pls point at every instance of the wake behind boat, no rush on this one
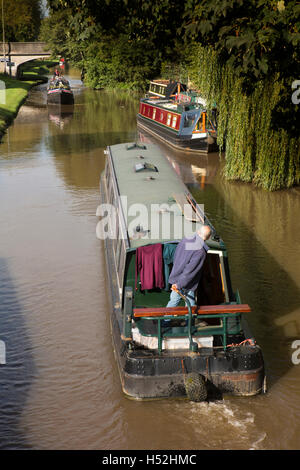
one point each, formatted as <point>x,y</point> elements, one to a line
<point>59,91</point>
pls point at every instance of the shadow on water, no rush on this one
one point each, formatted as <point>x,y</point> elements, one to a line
<point>62,144</point>
<point>261,280</point>
<point>18,372</point>
<point>80,166</point>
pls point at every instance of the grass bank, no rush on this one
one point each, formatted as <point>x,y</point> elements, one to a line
<point>14,92</point>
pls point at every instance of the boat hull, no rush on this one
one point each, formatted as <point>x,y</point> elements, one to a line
<point>60,96</point>
<point>189,144</point>
<point>239,372</point>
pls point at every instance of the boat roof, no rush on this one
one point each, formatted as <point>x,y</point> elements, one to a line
<point>152,197</point>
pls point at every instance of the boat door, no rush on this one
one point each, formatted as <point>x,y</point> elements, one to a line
<point>189,121</point>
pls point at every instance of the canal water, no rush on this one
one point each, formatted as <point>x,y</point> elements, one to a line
<point>60,387</point>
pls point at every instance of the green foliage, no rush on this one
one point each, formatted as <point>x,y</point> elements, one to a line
<point>55,31</point>
<point>22,19</point>
<point>254,150</point>
<point>116,43</point>
<point>242,54</point>
<point>119,64</point>
<point>255,37</point>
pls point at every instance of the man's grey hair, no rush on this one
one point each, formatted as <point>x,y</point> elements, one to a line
<point>204,232</point>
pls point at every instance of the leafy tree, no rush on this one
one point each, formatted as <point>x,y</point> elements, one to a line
<point>114,41</point>
<point>242,54</point>
<point>255,37</point>
<point>22,19</point>
<point>121,63</point>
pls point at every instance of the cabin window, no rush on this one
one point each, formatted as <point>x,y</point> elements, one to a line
<point>174,122</point>
<point>109,190</point>
<point>161,116</point>
<point>117,254</point>
<point>169,119</point>
<point>189,120</point>
<point>120,260</point>
<point>107,172</point>
<point>154,113</point>
<point>116,239</point>
<point>121,264</point>
<point>111,196</point>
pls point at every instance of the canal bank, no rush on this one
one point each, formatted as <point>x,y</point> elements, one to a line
<point>13,92</point>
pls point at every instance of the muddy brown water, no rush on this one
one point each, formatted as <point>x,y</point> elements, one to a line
<point>60,387</point>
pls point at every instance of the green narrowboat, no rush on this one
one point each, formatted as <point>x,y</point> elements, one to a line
<point>198,352</point>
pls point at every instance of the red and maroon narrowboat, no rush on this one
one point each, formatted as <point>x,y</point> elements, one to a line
<point>181,122</point>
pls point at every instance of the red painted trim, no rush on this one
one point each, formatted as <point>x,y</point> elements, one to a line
<point>162,116</point>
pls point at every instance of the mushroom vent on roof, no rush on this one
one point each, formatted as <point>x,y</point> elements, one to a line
<point>145,167</point>
<point>136,146</point>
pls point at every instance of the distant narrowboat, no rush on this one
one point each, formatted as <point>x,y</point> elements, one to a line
<point>180,121</point>
<point>196,352</point>
<point>59,92</point>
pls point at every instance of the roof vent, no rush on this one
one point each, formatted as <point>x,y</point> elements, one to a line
<point>135,146</point>
<point>145,167</point>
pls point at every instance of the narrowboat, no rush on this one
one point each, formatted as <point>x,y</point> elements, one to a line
<point>59,92</point>
<point>181,122</point>
<point>199,352</point>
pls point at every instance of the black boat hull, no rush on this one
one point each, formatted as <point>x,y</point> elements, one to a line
<point>237,372</point>
<point>200,145</point>
<point>60,97</point>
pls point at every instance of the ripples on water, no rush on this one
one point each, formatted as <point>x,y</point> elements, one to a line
<point>60,387</point>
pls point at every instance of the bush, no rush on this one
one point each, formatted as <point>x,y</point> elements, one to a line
<point>121,64</point>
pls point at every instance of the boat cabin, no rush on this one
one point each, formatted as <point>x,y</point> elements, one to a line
<point>165,88</point>
<point>59,82</point>
<point>152,212</point>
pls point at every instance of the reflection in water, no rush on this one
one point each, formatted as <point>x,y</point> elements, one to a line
<point>60,114</point>
<point>60,386</point>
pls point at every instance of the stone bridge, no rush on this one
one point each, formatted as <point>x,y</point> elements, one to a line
<point>19,52</point>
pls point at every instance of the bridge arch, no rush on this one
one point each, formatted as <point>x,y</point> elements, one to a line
<point>20,52</point>
<point>16,69</point>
